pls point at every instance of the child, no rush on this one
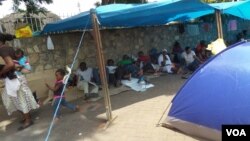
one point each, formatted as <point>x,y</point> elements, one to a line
<point>111,69</point>
<point>22,63</point>
<point>58,89</point>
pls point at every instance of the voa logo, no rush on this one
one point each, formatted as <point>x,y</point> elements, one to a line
<point>236,132</point>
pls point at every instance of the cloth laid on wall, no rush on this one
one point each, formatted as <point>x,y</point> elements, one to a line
<point>50,44</point>
<point>232,25</point>
<point>206,27</point>
<point>193,29</point>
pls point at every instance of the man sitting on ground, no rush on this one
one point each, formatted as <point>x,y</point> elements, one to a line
<point>191,61</point>
<point>84,81</point>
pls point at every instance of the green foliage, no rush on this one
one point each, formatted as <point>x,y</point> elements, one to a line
<point>34,22</point>
<point>32,6</point>
<point>97,4</point>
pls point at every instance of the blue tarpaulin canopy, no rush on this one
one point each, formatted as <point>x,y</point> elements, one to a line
<point>239,9</point>
<point>76,22</point>
<point>132,15</point>
<point>156,13</point>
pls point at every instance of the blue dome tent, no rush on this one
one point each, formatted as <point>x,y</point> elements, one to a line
<point>218,93</point>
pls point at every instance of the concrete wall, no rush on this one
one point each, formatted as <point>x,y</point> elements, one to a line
<point>116,42</point>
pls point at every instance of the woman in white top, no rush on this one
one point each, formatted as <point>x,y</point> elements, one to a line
<point>165,63</point>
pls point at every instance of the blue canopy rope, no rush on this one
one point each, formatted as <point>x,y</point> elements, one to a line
<point>65,82</point>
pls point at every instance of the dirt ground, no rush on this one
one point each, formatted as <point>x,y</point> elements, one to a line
<point>137,114</point>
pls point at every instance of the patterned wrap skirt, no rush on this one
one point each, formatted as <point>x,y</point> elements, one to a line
<point>24,101</point>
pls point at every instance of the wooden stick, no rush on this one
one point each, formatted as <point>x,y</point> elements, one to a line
<point>101,64</point>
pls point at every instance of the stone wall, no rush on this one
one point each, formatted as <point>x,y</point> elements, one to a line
<point>116,42</point>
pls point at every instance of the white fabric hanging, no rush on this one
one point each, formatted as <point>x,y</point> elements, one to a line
<point>50,44</point>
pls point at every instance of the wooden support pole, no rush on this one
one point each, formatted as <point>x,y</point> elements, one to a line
<point>219,24</point>
<point>101,65</point>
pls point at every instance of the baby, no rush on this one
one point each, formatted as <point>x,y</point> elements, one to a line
<point>22,63</point>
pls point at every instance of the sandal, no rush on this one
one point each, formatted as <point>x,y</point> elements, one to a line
<point>25,126</point>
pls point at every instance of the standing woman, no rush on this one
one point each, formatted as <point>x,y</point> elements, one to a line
<point>23,101</point>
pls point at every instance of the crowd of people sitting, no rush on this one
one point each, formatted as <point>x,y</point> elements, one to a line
<point>178,61</point>
<point>17,96</point>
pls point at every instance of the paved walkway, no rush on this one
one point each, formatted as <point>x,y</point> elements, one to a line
<point>137,116</point>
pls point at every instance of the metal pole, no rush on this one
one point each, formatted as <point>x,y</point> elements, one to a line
<point>219,24</point>
<point>101,64</point>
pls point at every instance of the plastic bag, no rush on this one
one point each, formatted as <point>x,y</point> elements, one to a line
<point>50,44</point>
<point>23,32</point>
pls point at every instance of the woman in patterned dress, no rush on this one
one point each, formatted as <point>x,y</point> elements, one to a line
<point>23,100</point>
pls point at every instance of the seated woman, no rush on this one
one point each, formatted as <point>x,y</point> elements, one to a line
<point>145,63</point>
<point>203,55</point>
<point>126,60</point>
<point>176,51</point>
<point>201,51</point>
<point>121,71</point>
<point>165,63</point>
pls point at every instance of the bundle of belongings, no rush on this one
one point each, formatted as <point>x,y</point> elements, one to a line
<point>12,85</point>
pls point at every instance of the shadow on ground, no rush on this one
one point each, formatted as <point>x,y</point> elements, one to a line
<point>77,126</point>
